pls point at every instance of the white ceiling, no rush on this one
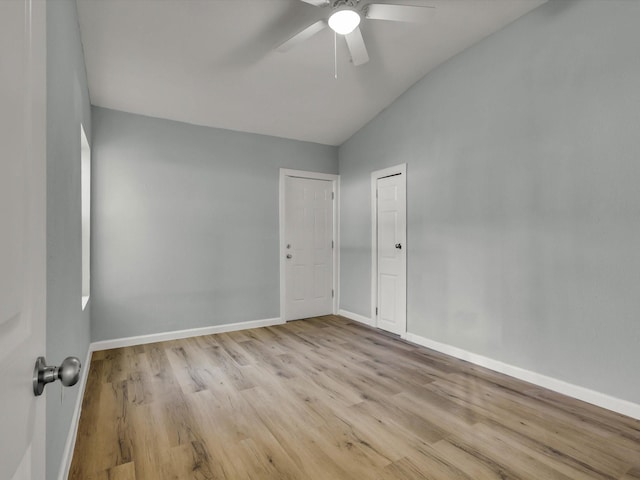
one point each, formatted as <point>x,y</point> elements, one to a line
<point>212,62</point>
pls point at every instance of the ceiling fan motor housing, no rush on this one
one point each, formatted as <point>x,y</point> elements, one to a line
<point>340,4</point>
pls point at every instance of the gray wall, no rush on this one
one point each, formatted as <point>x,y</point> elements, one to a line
<point>185,223</point>
<point>67,106</point>
<point>523,196</point>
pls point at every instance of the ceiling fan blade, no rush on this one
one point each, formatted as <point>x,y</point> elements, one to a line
<point>357,48</point>
<point>303,35</point>
<point>317,3</point>
<point>399,13</point>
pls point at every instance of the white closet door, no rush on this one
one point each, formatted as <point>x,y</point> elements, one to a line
<point>391,275</point>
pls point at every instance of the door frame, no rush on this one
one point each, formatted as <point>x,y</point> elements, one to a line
<point>335,185</point>
<point>386,172</point>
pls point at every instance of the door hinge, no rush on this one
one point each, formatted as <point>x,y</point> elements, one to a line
<point>333,196</point>
<point>376,311</point>
<point>332,293</point>
<point>332,244</point>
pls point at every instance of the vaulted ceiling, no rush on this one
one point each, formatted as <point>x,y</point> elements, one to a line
<point>213,62</point>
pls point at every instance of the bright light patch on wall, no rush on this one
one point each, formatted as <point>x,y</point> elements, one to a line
<point>85,186</point>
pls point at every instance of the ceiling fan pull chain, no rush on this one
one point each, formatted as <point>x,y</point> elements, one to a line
<point>335,55</point>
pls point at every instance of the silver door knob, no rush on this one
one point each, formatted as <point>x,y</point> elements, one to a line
<point>68,373</point>
<point>289,255</point>
<point>398,246</point>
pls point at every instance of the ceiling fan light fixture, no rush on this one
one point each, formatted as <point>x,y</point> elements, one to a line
<point>344,21</point>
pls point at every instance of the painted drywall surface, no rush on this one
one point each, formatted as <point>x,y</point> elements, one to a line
<point>67,106</point>
<point>186,223</point>
<point>523,198</point>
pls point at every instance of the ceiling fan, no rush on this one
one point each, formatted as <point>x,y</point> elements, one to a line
<point>344,19</point>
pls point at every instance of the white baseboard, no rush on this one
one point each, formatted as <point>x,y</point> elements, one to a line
<point>581,393</point>
<point>67,454</point>
<point>177,334</point>
<point>356,317</point>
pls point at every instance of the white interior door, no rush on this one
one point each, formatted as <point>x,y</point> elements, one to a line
<point>22,235</point>
<point>308,240</point>
<point>391,253</point>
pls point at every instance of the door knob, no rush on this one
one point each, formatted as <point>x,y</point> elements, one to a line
<point>68,373</point>
<point>289,255</point>
<point>398,246</point>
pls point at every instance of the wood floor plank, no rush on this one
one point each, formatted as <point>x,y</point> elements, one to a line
<point>406,469</point>
<point>476,467</point>
<point>297,438</point>
<point>622,422</point>
<point>410,422</point>
<point>266,459</point>
<point>126,471</point>
<point>234,351</point>
<point>435,467</point>
<point>491,446</point>
<point>515,428</point>
<point>632,474</point>
<point>327,398</point>
<point>562,464</point>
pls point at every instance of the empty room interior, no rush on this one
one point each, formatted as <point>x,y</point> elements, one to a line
<point>320,239</point>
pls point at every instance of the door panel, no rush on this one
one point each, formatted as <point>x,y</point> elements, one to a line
<point>391,248</point>
<point>297,283</point>
<point>320,228</point>
<point>23,238</point>
<point>309,235</point>
<point>388,293</point>
<point>388,230</point>
<point>320,281</point>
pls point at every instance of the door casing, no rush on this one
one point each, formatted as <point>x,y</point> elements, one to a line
<point>335,183</point>
<point>385,172</point>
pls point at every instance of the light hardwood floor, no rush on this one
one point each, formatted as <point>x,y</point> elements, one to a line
<point>327,398</point>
